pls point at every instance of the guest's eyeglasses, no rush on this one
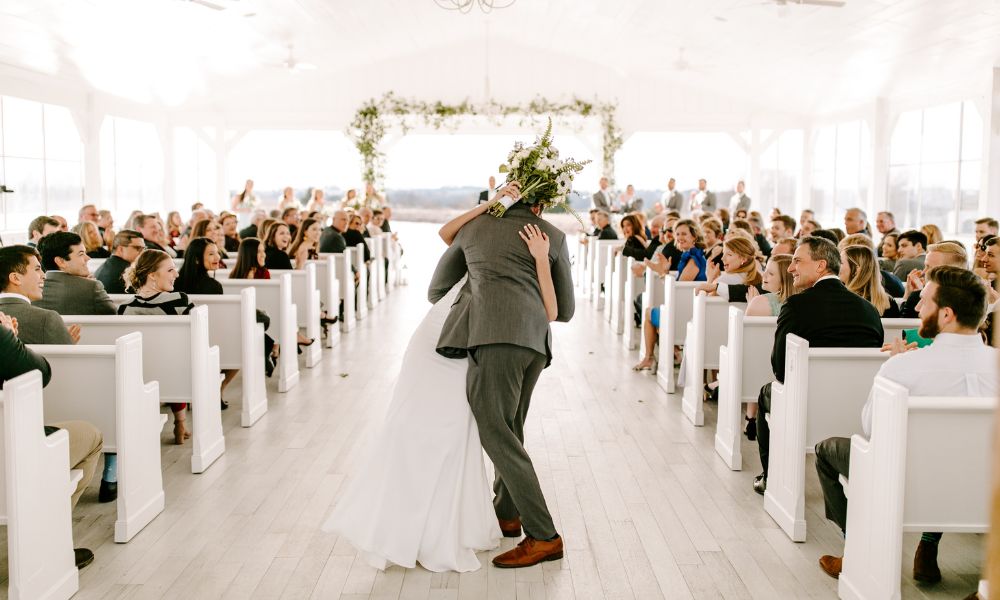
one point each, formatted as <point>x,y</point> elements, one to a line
<point>139,248</point>
<point>668,230</point>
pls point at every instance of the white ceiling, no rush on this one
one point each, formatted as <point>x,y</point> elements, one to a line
<point>748,58</point>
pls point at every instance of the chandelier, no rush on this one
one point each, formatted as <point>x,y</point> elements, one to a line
<point>464,6</point>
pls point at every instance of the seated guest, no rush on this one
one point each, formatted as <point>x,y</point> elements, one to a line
<point>152,276</point>
<point>209,228</point>
<point>39,228</point>
<point>69,289</point>
<point>740,267</point>
<point>255,221</point>
<point>711,231</point>
<point>174,228</point>
<point>355,235</point>
<point>692,267</point>
<point>306,244</point>
<point>149,227</point>
<point>782,226</point>
<point>276,247</point>
<point>825,313</point>
<point>785,245</point>
<point>911,246</point>
<point>290,217</point>
<point>991,260</point>
<point>128,244</point>
<point>933,234</point>
<point>859,272</point>
<point>332,238</point>
<point>231,237</point>
<point>944,254</point>
<point>809,227</point>
<point>85,440</point>
<point>21,283</point>
<point>386,216</point>
<point>888,251</point>
<point>106,224</point>
<point>777,284</point>
<point>893,286</point>
<point>250,261</point>
<point>603,224</point>
<point>93,244</point>
<point>952,306</point>
<point>63,223</point>
<point>635,238</point>
<point>757,228</point>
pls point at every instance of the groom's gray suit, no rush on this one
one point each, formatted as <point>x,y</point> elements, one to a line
<point>499,322</point>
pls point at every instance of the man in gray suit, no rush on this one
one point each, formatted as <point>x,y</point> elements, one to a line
<point>672,199</point>
<point>602,197</point>
<point>708,203</point>
<point>739,201</point>
<point>499,322</point>
<point>69,287</point>
<point>21,279</point>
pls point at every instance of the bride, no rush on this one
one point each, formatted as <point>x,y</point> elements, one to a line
<point>423,495</point>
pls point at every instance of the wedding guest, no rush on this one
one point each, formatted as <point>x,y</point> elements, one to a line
<point>265,228</point>
<point>152,276</point>
<point>711,232</point>
<point>911,248</point>
<point>672,199</point>
<point>691,267</point>
<point>782,226</point>
<point>991,261</point>
<point>856,221</point>
<point>825,313</point>
<point>986,226</point>
<point>130,221</point>
<point>775,213</point>
<point>231,237</point>
<point>490,192</point>
<point>757,228</point>
<point>306,244</point>
<point>149,227</point>
<point>350,199</point>
<point>860,273</point>
<point>106,224</point>
<point>251,230</point>
<point>69,288</point>
<point>87,213</point>
<point>39,228</point>
<point>957,364</point>
<point>276,247</point>
<point>63,223</point>
<point>602,197</point>
<point>290,217</point>
<point>355,235</point>
<point>893,286</point>
<point>85,440</point>
<point>739,201</point>
<point>739,267</point>
<point>386,217</point>
<point>373,199</point>
<point>944,254</point>
<point>288,199</point>
<point>809,227</point>
<point>366,220</point>
<point>316,202</point>
<point>174,228</point>
<point>785,245</point>
<point>722,214</point>
<point>933,234</point>
<point>887,250</point>
<point>127,246</point>
<point>805,216</point>
<point>21,284</point>
<point>885,222</point>
<point>704,200</point>
<point>635,238</point>
<point>332,238</point>
<point>250,260</point>
<point>245,200</point>
<point>93,244</point>
<point>603,222</point>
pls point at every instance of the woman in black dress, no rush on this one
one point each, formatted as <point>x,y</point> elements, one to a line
<point>276,247</point>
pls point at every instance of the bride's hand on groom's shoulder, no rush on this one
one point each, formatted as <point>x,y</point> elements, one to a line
<point>537,241</point>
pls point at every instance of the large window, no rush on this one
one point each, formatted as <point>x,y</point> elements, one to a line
<point>131,166</point>
<point>934,167</point>
<point>647,160</point>
<point>41,159</point>
<point>780,166</point>
<point>194,169</point>
<point>841,170</point>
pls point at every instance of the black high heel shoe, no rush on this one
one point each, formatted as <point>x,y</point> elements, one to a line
<point>325,321</point>
<point>751,429</point>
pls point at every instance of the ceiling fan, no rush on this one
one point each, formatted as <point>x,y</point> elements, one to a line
<point>291,63</point>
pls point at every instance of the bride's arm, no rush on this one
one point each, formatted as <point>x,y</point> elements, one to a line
<point>538,245</point>
<point>450,229</point>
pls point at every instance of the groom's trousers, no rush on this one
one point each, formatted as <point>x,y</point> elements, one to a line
<point>499,385</point>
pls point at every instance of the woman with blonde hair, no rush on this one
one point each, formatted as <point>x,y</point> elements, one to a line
<point>92,242</point>
<point>711,230</point>
<point>860,273</point>
<point>933,233</point>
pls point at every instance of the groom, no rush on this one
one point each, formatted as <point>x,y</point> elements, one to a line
<point>499,322</point>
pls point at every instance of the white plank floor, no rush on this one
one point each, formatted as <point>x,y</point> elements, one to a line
<point>646,508</point>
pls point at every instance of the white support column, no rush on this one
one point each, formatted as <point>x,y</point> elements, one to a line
<point>221,156</point>
<point>881,122</point>
<point>88,124</point>
<point>753,186</point>
<point>989,190</point>
<point>165,131</point>
<point>805,176</point>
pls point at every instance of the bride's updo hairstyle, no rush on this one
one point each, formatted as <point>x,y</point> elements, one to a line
<point>148,262</point>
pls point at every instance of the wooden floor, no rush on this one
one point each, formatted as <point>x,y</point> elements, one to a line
<point>646,508</point>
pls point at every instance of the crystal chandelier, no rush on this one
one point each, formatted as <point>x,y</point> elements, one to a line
<point>464,6</point>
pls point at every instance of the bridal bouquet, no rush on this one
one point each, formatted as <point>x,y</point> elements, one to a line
<point>545,179</point>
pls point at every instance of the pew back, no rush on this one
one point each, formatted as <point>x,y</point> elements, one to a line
<point>305,297</point>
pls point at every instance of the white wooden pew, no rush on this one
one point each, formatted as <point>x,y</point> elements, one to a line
<point>580,265</point>
<point>345,282</point>
<point>707,332</point>
<point>591,251</point>
<point>652,295</point>
<point>364,301</point>
<point>103,385</point>
<point>675,313</point>
<point>744,367</point>
<point>631,335</point>
<point>599,265</point>
<point>893,328</point>
<point>610,272</point>
<point>926,468</point>
<point>329,293</point>
<point>177,354</point>
<point>274,296</point>
<point>823,394</point>
<point>378,267</point>
<point>306,298</point>
<point>229,313</point>
<point>36,485</point>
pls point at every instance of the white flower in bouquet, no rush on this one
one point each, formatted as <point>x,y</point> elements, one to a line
<point>545,179</point>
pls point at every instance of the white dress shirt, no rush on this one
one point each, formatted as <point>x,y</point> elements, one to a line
<point>954,365</point>
<point>13,295</point>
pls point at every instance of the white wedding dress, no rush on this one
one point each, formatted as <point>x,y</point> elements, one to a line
<point>422,494</point>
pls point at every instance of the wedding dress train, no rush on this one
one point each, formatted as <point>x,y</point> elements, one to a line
<point>422,494</point>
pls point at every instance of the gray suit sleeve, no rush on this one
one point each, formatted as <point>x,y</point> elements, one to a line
<point>55,331</point>
<point>449,271</point>
<point>562,279</point>
<point>102,302</point>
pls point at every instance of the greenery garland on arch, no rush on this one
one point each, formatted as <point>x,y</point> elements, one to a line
<point>372,118</point>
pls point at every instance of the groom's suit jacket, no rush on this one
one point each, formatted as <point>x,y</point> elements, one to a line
<point>501,303</point>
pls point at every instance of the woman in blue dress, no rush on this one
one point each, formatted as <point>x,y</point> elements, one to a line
<point>691,267</point>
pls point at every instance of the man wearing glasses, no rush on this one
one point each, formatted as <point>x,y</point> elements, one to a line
<point>127,246</point>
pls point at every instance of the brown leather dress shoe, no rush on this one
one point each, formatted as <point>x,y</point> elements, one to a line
<point>510,527</point>
<point>831,565</point>
<point>925,567</point>
<point>530,552</point>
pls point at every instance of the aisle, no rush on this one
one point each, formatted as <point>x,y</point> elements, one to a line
<point>645,507</point>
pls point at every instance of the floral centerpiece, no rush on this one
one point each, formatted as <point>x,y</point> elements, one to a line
<point>545,179</point>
